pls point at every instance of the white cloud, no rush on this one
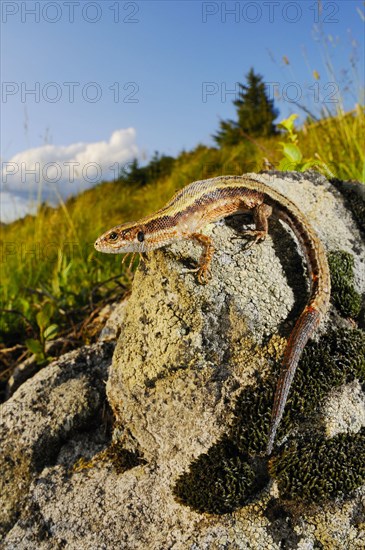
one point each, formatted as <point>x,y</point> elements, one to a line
<point>13,206</point>
<point>65,170</point>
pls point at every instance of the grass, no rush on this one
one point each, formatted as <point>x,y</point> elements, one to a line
<point>339,142</point>
<point>48,260</point>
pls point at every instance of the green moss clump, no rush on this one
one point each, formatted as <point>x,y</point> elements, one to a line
<point>252,415</point>
<point>343,294</point>
<point>320,469</point>
<point>230,473</point>
<point>219,481</point>
<point>338,358</point>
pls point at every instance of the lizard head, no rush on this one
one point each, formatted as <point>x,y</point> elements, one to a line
<point>128,237</point>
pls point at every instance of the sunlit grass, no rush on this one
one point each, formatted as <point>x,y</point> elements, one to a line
<point>339,142</point>
<point>50,258</point>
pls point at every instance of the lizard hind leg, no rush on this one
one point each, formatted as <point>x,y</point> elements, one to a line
<point>261,216</point>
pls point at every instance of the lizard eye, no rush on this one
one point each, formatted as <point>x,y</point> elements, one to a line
<point>113,236</point>
<point>140,236</point>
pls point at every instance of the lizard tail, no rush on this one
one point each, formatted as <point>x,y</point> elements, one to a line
<point>304,327</point>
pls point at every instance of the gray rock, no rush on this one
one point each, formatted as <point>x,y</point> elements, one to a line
<point>344,409</point>
<point>184,354</point>
<point>115,317</point>
<point>43,415</point>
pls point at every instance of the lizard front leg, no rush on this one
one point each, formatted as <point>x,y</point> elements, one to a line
<point>203,268</point>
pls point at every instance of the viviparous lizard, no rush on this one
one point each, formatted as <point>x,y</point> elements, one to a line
<point>206,201</point>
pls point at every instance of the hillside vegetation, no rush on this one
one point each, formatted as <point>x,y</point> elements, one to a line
<point>53,280</point>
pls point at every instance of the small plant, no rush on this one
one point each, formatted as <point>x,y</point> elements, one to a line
<point>47,331</point>
<point>293,157</point>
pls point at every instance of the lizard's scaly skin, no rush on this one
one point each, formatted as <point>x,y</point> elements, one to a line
<point>206,201</point>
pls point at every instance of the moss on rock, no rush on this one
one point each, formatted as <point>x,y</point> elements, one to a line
<point>219,481</point>
<point>321,469</point>
<point>230,473</point>
<point>338,358</point>
<point>343,294</point>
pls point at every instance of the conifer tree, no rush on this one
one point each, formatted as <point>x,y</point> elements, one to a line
<point>255,113</point>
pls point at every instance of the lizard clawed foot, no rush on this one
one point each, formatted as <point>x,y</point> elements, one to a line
<point>203,273</point>
<point>144,258</point>
<point>130,256</point>
<point>258,236</point>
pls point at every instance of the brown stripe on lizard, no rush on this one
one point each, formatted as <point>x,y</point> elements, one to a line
<point>206,201</point>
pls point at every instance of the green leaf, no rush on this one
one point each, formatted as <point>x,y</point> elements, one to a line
<point>34,346</point>
<point>314,164</point>
<point>288,123</point>
<point>50,332</point>
<point>287,165</point>
<point>292,152</point>
<point>43,317</point>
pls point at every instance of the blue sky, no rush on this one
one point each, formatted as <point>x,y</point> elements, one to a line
<point>163,69</point>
